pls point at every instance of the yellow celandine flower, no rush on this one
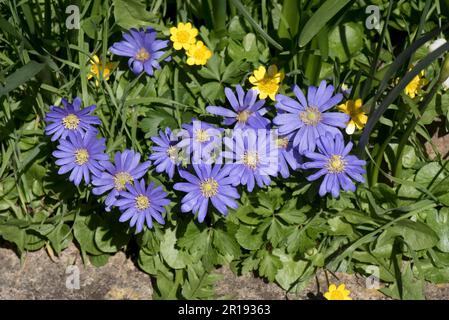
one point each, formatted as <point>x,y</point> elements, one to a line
<point>339,293</point>
<point>355,111</point>
<point>198,54</point>
<point>415,86</point>
<point>183,36</point>
<point>100,70</point>
<point>267,82</point>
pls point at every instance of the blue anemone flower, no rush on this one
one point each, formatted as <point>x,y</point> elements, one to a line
<point>210,183</point>
<point>142,204</point>
<point>82,155</point>
<point>126,169</point>
<point>165,153</point>
<point>247,110</point>
<point>142,48</point>
<point>335,164</point>
<point>199,141</point>
<point>71,118</point>
<point>288,156</point>
<point>254,157</point>
<point>306,119</point>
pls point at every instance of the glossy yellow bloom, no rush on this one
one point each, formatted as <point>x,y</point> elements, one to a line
<point>267,82</point>
<point>415,86</point>
<point>198,54</point>
<point>355,111</point>
<point>99,70</point>
<point>183,36</point>
<point>339,293</point>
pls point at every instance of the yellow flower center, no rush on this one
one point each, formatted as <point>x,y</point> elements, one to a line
<point>121,179</point>
<point>142,55</point>
<point>183,36</point>
<point>81,156</point>
<point>172,153</point>
<point>243,116</point>
<point>251,159</point>
<point>142,202</point>
<point>282,142</point>
<point>268,85</point>
<point>202,136</point>
<point>200,53</point>
<point>71,122</point>
<point>311,116</point>
<point>209,187</point>
<point>336,164</point>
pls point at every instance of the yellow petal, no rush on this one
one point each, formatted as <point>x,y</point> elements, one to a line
<point>343,107</point>
<point>190,61</point>
<point>260,73</point>
<point>181,26</point>
<point>188,25</point>
<point>173,31</point>
<point>272,96</point>
<point>252,80</point>
<point>177,45</point>
<point>358,103</point>
<point>332,287</point>
<point>327,295</point>
<point>262,95</point>
<point>341,287</point>
<point>194,32</point>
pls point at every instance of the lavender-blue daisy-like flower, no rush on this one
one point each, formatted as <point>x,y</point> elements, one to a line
<point>165,153</point>
<point>71,118</point>
<point>288,156</point>
<point>307,119</point>
<point>253,155</point>
<point>199,141</point>
<point>82,155</point>
<point>142,48</point>
<point>210,183</point>
<point>126,169</point>
<point>247,110</point>
<point>142,204</point>
<point>335,164</point>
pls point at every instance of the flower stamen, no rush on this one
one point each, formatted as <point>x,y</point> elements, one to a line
<point>81,156</point>
<point>142,202</point>
<point>336,164</point>
<point>121,179</point>
<point>142,55</point>
<point>243,116</point>
<point>71,122</point>
<point>202,136</point>
<point>209,187</point>
<point>251,159</point>
<point>311,116</point>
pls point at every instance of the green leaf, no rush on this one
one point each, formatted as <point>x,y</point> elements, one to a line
<point>418,235</point>
<point>226,244</point>
<point>339,228</point>
<point>111,235</point>
<point>21,76</point>
<point>174,258</point>
<point>269,265</point>
<point>439,222</point>
<point>345,41</point>
<point>319,19</point>
<point>84,232</point>
<point>131,14</point>
<point>291,270</point>
<point>409,288</point>
<point>248,237</point>
<point>100,260</point>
